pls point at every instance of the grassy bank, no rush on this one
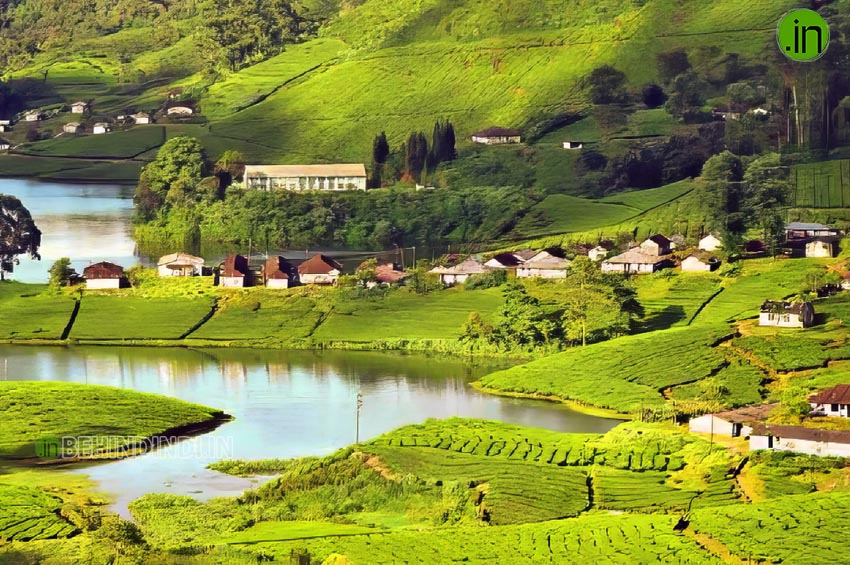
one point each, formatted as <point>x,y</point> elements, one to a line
<point>36,409</point>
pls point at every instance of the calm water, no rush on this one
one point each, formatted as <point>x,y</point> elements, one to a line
<point>285,404</point>
<point>85,222</point>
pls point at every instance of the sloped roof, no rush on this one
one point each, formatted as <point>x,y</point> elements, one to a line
<point>337,170</point>
<point>790,307</point>
<point>179,258</point>
<point>747,414</point>
<point>506,259</point>
<point>525,254</point>
<point>103,270</point>
<point>388,274</point>
<point>634,257</point>
<point>802,433</point>
<point>839,394</point>
<point>550,263</point>
<point>496,131</point>
<point>235,266</point>
<point>805,226</point>
<point>319,265</point>
<point>468,267</point>
<point>277,268</point>
<point>659,239</point>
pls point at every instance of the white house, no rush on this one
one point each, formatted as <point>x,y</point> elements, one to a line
<point>710,243</point>
<point>101,127</point>
<point>141,118</point>
<point>180,111</point>
<point>504,261</point>
<point>811,441</point>
<point>549,264</point>
<point>278,273</point>
<point>306,177</point>
<point>319,269</point>
<point>5,145</point>
<point>732,423</point>
<point>633,261</point>
<point>821,247</point>
<point>573,145</point>
<point>180,265</point>
<point>79,107</point>
<point>497,136</point>
<point>458,274</point>
<point>104,275</point>
<point>234,272</point>
<point>33,116</point>
<point>787,314</point>
<point>695,263</point>
<point>5,122</point>
<point>833,401</point>
<point>597,253</point>
<point>657,245</point>
<point>72,127</point>
<point>4,129</point>
<point>801,230</point>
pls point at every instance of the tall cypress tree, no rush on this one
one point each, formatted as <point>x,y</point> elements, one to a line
<point>380,152</point>
<point>417,154</point>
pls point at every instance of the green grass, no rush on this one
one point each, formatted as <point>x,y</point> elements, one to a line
<point>788,352</point>
<point>404,314</point>
<point>34,409</point>
<point>31,514</point>
<point>120,317</point>
<point>115,145</point>
<point>261,314</point>
<point>635,369</point>
<point>671,301</point>
<point>807,525</point>
<point>561,213</point>
<point>825,184</point>
<point>650,491</point>
<point>26,312</point>
<point>597,538</point>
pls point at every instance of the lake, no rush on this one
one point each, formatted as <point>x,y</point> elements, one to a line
<point>285,404</point>
<point>85,222</point>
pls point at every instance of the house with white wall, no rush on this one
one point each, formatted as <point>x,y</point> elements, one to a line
<point>833,401</point>
<point>811,441</point>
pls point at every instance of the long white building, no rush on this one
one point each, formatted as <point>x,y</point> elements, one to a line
<point>306,177</point>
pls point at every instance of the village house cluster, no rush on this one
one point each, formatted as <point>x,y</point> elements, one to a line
<point>749,422</point>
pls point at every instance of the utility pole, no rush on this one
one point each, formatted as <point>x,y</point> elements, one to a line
<point>357,422</point>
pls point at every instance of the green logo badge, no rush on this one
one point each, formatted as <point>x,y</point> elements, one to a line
<point>803,35</point>
<point>48,448</point>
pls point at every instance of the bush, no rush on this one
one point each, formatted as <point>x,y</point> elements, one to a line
<point>486,280</point>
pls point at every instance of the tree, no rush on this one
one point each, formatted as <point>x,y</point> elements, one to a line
<point>671,64</point>
<point>773,233</point>
<point>593,309</point>
<point>475,329</point>
<point>365,272</point>
<point>686,96</point>
<point>173,176</point>
<point>230,167</point>
<point>380,149</point>
<point>18,234</point>
<point>654,96</point>
<point>723,198</point>
<point>61,272</point>
<point>607,85</point>
<point>417,153</point>
<point>522,321</point>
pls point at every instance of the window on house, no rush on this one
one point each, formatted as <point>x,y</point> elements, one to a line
<point>834,407</point>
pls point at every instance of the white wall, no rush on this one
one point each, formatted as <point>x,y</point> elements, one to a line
<point>802,446</point>
<point>231,282</point>
<point>780,320</point>
<point>524,273</point>
<point>320,279</point>
<point>818,249</point>
<point>94,284</point>
<point>702,425</point>
<point>628,268</point>
<point>277,283</point>
<point>692,264</point>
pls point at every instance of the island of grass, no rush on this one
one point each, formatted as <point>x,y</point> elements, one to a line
<point>34,410</point>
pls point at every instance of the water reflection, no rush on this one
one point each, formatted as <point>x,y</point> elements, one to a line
<point>286,403</point>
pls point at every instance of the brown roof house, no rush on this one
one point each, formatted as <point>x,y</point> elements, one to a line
<point>389,274</point>
<point>180,265</point>
<point>497,136</point>
<point>634,261</point>
<point>458,274</point>
<point>833,401</point>
<point>733,423</point>
<point>812,441</point>
<point>234,272</point>
<point>786,314</point>
<point>319,269</point>
<point>548,264</point>
<point>279,273</point>
<point>104,275</point>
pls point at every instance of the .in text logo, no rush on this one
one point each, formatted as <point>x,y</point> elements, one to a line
<point>803,35</point>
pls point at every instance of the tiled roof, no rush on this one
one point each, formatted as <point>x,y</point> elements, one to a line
<point>839,394</point>
<point>496,131</point>
<point>289,171</point>
<point>235,266</point>
<point>319,265</point>
<point>801,433</point>
<point>103,270</point>
<point>634,257</point>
